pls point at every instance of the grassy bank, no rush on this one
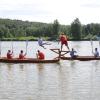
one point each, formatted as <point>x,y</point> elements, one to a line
<point>23,39</point>
<point>30,38</point>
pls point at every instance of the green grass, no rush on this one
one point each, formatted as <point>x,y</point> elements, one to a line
<point>30,38</point>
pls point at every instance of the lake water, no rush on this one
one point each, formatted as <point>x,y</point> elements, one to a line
<point>67,80</point>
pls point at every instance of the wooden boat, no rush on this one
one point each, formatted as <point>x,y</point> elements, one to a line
<point>27,60</point>
<point>81,58</point>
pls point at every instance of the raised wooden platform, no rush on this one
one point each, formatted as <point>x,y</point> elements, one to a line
<point>59,52</point>
<point>61,55</point>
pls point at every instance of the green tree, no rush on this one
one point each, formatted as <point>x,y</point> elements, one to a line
<point>76,29</point>
<point>56,27</point>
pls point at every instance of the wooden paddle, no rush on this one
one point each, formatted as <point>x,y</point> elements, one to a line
<point>92,45</point>
<point>26,46</point>
<point>12,46</point>
<point>98,38</point>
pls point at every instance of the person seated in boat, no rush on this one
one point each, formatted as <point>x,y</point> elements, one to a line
<point>9,54</point>
<point>96,53</point>
<point>21,55</point>
<point>40,55</point>
<point>72,53</point>
<point>64,41</point>
<point>41,43</point>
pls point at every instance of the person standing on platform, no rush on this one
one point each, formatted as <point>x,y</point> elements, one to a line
<point>64,41</point>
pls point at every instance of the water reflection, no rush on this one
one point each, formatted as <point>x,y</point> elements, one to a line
<point>40,68</point>
<point>64,87</point>
<point>41,80</point>
<point>47,81</point>
<point>67,80</point>
<point>9,67</point>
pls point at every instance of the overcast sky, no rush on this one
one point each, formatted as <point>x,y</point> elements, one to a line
<point>65,11</point>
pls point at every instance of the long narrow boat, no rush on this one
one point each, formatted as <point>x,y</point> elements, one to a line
<point>27,60</point>
<point>81,58</point>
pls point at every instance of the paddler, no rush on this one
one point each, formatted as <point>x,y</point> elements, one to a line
<point>40,55</point>
<point>72,53</point>
<point>22,55</point>
<point>9,54</point>
<point>96,53</point>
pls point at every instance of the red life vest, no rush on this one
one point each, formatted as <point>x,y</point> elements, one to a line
<point>41,55</point>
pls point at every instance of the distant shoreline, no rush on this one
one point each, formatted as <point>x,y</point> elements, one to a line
<point>44,40</point>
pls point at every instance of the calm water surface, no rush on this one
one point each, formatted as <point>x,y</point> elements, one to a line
<point>67,80</point>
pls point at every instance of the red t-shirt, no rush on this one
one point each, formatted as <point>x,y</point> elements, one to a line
<point>21,56</point>
<point>63,40</point>
<point>9,56</point>
<point>41,55</point>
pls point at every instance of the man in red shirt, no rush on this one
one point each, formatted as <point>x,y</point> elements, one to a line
<point>64,41</point>
<point>9,54</point>
<point>40,55</point>
<point>21,55</point>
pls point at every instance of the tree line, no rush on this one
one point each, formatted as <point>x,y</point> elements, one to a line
<point>15,29</point>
